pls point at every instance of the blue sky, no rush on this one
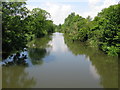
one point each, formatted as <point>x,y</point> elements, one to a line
<point>60,9</point>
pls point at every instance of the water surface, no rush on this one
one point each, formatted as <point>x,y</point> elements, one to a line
<point>57,62</point>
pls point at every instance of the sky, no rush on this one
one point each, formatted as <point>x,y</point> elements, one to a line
<point>60,9</point>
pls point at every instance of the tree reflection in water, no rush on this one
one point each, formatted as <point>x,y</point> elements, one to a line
<point>106,66</point>
<point>16,77</point>
<point>36,55</point>
<point>37,49</point>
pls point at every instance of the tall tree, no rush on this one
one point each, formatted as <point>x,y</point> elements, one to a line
<point>13,32</point>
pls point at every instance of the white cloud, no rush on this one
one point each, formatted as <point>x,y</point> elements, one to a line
<point>58,11</point>
<point>93,1</point>
<point>57,0</point>
<point>97,5</point>
<point>107,3</point>
<point>30,7</point>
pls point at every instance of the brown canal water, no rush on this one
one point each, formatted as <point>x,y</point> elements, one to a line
<point>57,62</point>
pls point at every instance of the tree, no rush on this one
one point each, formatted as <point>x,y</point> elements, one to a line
<point>13,30</point>
<point>109,25</point>
<point>103,31</point>
<point>39,21</point>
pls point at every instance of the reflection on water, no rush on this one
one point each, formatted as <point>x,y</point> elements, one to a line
<point>103,65</point>
<point>57,43</point>
<point>36,55</point>
<point>16,77</point>
<point>38,49</point>
<point>0,77</point>
<point>61,63</point>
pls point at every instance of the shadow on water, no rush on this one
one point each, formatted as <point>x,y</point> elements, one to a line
<point>106,66</point>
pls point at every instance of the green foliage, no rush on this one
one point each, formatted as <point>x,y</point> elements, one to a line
<point>19,25</point>
<point>38,24</point>
<point>111,50</point>
<point>109,24</point>
<point>39,21</point>
<point>13,30</point>
<point>74,26</point>
<point>103,31</point>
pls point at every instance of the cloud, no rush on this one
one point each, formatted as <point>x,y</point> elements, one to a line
<point>57,0</point>
<point>30,7</point>
<point>58,11</point>
<point>93,1</point>
<point>97,5</point>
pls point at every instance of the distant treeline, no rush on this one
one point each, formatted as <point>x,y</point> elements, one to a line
<point>20,25</point>
<point>103,31</point>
